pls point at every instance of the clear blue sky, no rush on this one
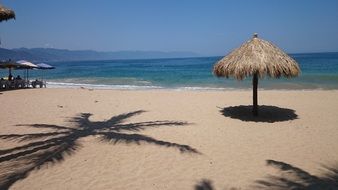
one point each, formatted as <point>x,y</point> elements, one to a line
<point>208,27</point>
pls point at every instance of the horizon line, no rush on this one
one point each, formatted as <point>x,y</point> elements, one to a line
<point>162,51</point>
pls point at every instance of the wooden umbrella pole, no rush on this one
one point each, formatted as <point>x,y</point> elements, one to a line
<point>254,97</point>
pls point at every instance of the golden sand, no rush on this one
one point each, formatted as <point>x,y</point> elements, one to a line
<point>166,139</point>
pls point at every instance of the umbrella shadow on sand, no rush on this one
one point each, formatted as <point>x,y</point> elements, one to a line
<point>269,114</point>
<point>48,148</point>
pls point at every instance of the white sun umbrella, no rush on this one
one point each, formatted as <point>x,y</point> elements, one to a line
<point>23,64</point>
<point>44,66</point>
<point>26,64</point>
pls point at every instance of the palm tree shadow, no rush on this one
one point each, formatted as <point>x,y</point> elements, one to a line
<point>43,149</point>
<point>295,178</point>
<point>269,114</point>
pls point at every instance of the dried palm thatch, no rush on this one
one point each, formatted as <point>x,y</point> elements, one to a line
<point>6,14</point>
<point>257,58</point>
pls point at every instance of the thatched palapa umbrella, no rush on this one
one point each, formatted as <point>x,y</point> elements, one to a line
<point>256,58</point>
<point>6,14</point>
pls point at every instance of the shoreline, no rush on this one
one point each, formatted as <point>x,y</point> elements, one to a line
<point>178,88</point>
<point>183,89</point>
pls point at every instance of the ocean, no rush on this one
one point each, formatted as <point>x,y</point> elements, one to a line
<point>318,71</point>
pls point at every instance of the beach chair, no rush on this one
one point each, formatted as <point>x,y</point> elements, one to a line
<point>11,84</point>
<point>19,83</point>
<point>27,83</point>
<point>3,84</point>
<point>37,83</point>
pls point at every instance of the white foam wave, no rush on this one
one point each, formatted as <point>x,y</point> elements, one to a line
<point>151,87</point>
<point>99,86</point>
<point>204,88</point>
<point>133,87</point>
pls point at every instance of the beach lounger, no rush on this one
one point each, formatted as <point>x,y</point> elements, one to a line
<point>19,83</point>
<point>3,84</point>
<point>37,83</point>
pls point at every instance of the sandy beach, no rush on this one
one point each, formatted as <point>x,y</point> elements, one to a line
<point>167,139</point>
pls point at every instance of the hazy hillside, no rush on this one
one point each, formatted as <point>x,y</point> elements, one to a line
<point>50,54</point>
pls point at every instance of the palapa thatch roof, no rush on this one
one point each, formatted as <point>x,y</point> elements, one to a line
<point>6,14</point>
<point>257,56</point>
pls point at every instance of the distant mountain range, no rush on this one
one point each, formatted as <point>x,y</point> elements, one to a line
<point>51,54</point>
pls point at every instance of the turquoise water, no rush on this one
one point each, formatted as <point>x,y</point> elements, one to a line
<point>319,71</point>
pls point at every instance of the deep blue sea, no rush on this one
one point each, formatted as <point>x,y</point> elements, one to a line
<point>318,71</point>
